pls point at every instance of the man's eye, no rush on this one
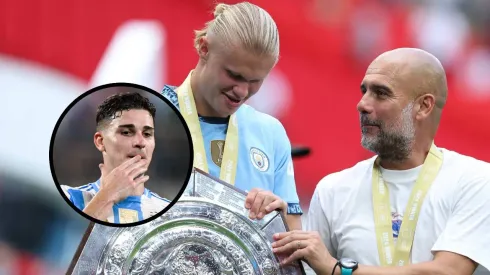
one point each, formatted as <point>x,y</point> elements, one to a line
<point>125,133</point>
<point>148,134</point>
<point>234,76</point>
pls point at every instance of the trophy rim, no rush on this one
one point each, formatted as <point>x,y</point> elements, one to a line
<point>257,225</point>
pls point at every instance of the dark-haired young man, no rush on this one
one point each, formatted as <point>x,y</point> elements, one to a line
<point>125,137</point>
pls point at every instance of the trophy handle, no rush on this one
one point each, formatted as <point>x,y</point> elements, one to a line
<point>80,248</point>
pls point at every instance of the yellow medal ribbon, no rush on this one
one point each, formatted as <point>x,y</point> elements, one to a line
<point>189,112</point>
<point>389,255</point>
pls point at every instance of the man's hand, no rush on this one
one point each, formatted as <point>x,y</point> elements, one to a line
<point>115,186</point>
<point>306,246</point>
<point>309,247</point>
<point>261,202</point>
<point>124,180</point>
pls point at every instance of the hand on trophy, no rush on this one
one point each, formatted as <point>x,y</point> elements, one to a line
<point>261,202</point>
<point>304,245</point>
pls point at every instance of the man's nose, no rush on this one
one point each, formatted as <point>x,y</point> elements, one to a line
<point>365,104</point>
<point>241,89</point>
<point>139,141</point>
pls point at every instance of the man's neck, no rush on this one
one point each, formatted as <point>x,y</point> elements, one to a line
<point>417,157</point>
<point>140,189</point>
<point>202,107</point>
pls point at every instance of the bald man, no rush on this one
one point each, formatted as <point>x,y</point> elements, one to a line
<point>414,208</point>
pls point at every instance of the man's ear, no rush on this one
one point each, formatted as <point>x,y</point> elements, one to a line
<point>426,105</point>
<point>99,141</point>
<point>203,49</point>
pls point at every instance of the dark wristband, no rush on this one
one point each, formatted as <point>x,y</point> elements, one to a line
<point>334,267</point>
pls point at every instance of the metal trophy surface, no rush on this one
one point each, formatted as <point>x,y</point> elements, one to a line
<point>206,232</point>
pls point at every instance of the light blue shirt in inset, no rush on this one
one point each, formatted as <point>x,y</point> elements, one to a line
<point>146,205</point>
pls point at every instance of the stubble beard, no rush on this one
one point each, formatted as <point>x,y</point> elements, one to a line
<point>393,142</point>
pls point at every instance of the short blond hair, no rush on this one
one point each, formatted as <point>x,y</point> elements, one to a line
<point>243,24</point>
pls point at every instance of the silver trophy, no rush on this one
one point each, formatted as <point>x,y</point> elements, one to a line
<point>207,232</point>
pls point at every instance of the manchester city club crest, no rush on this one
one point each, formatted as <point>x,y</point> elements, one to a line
<point>259,159</point>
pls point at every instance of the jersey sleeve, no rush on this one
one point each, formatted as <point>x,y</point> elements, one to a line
<point>284,182</point>
<point>467,230</point>
<point>75,196</point>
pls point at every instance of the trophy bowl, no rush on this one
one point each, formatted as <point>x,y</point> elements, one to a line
<point>198,235</point>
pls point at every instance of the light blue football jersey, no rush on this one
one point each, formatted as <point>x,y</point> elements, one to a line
<point>264,152</point>
<point>145,206</point>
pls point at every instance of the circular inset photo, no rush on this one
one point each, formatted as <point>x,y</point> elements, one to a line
<point>121,154</point>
